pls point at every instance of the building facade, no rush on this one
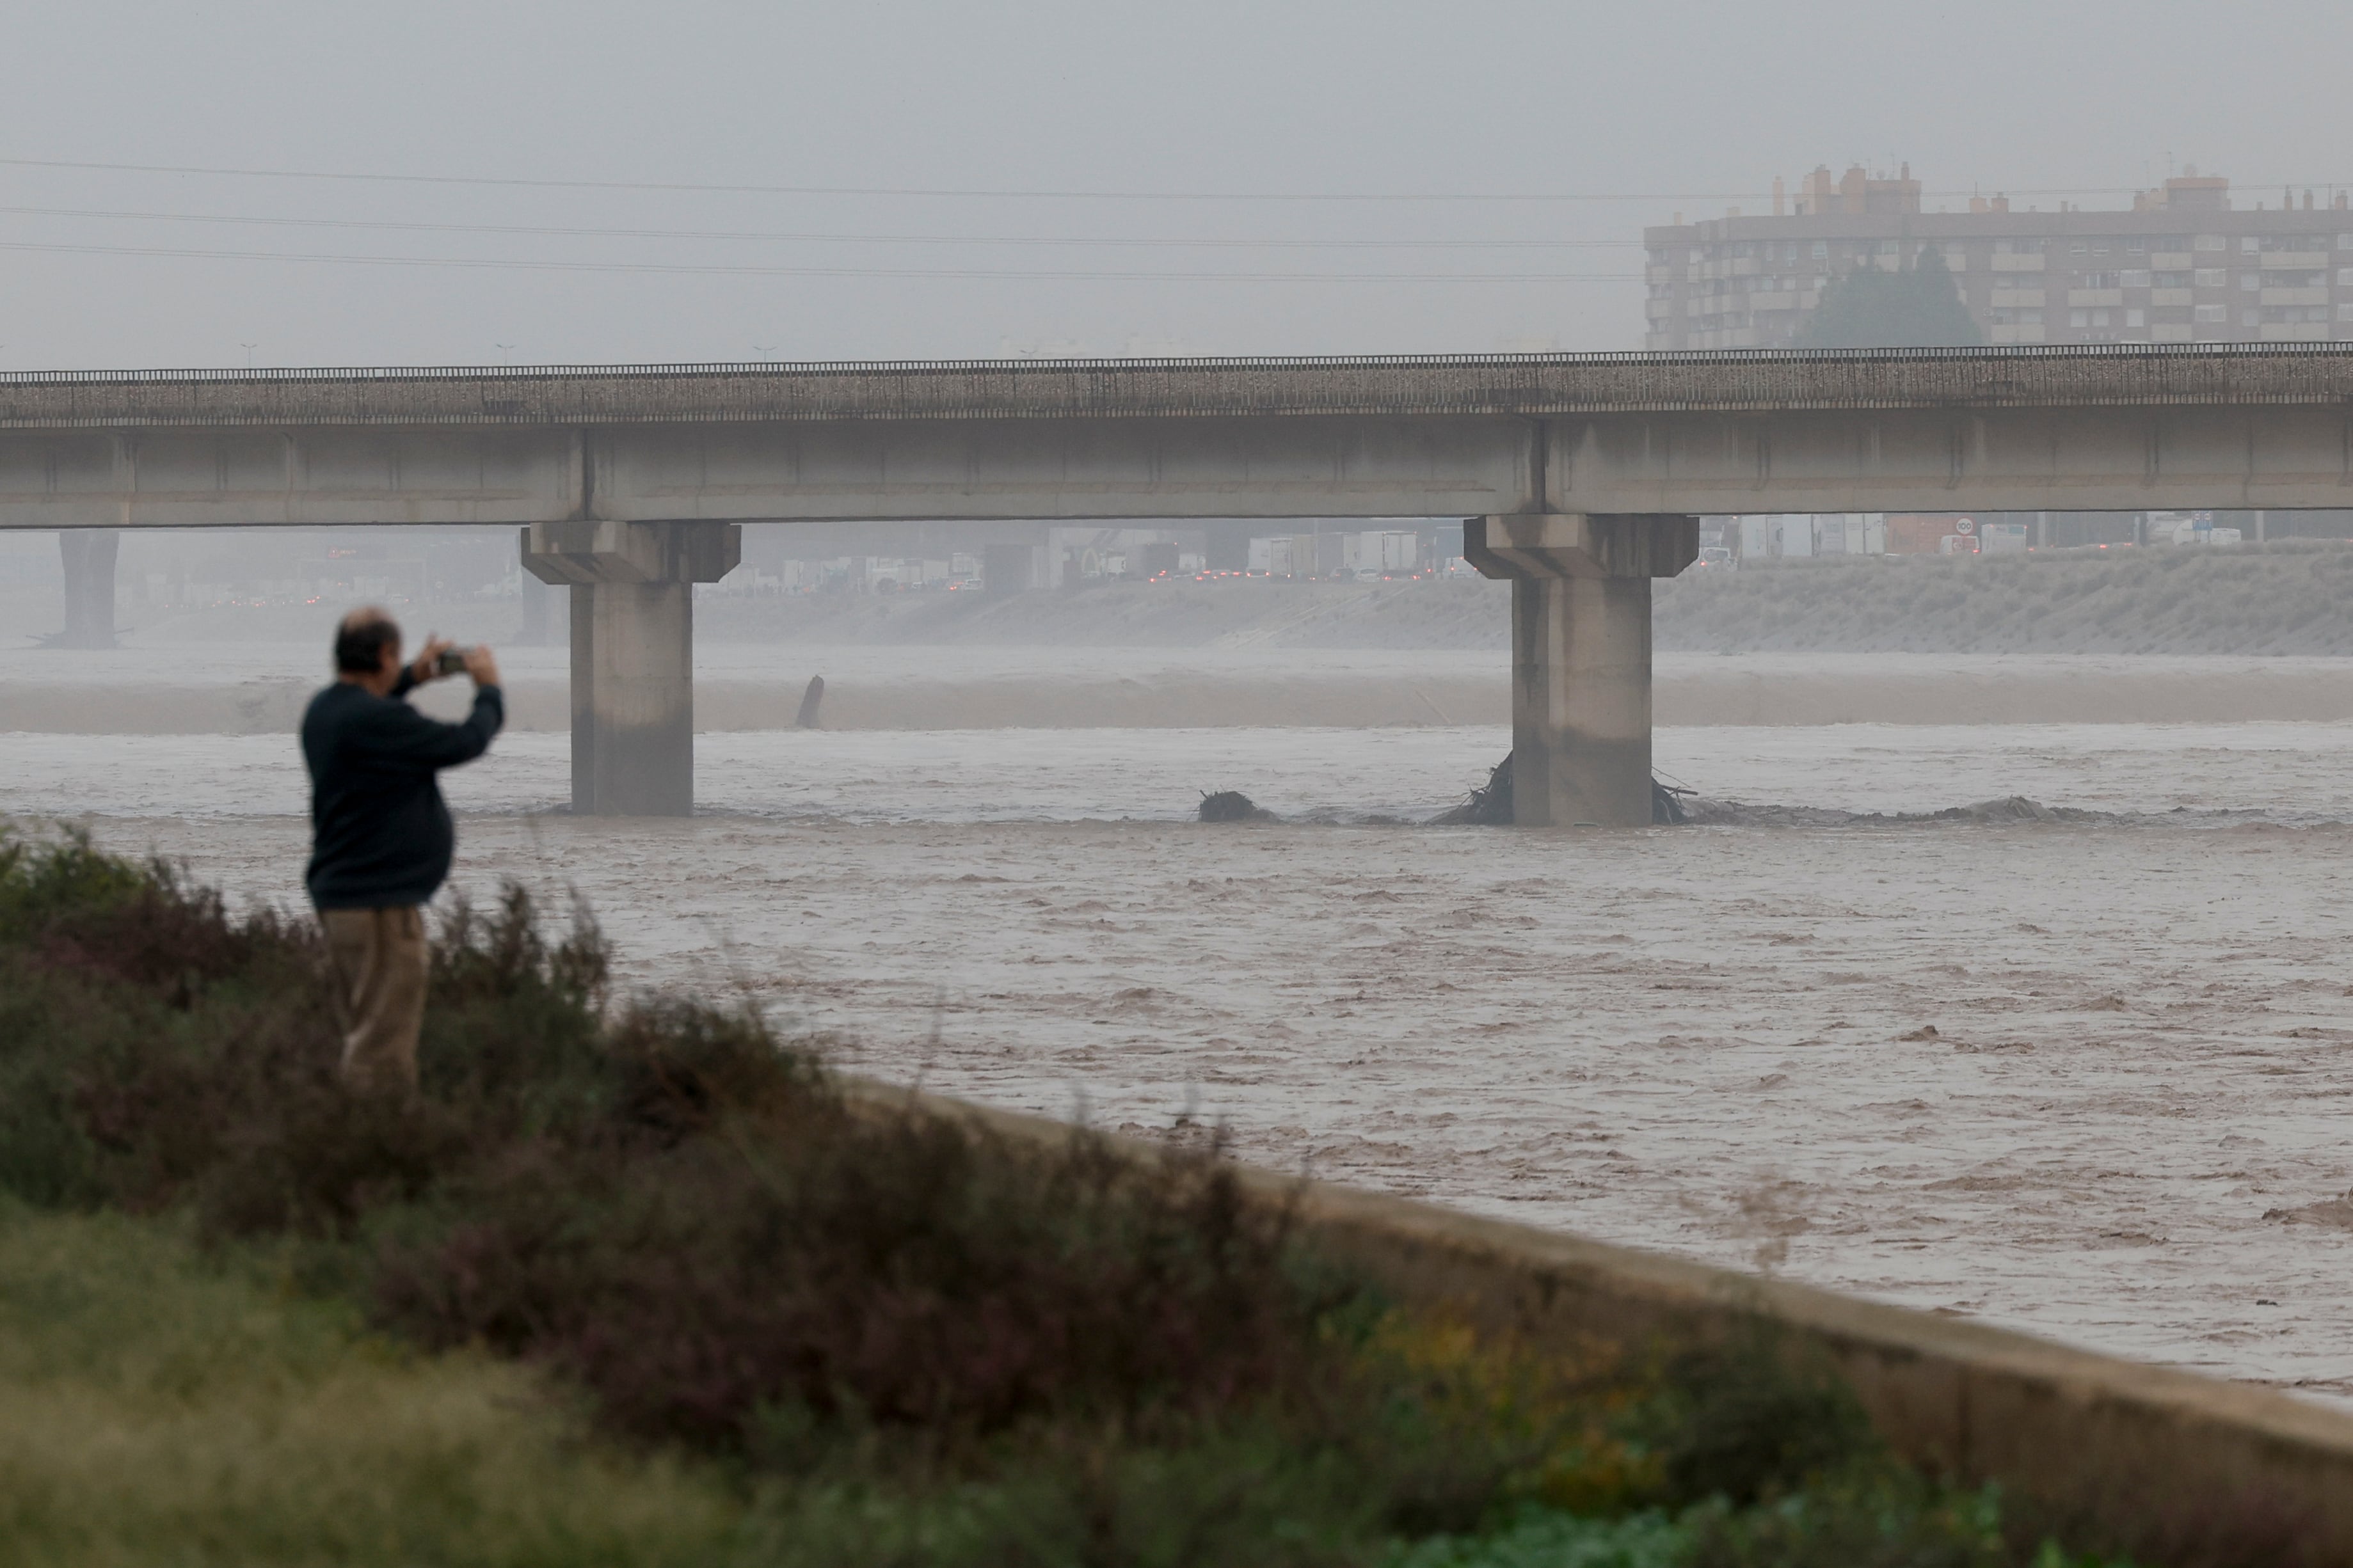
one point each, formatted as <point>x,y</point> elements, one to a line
<point>2185,265</point>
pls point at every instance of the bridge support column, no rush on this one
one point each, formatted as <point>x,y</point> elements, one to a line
<point>88,555</point>
<point>1581,656</point>
<point>632,653</point>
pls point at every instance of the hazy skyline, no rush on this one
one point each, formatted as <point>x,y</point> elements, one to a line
<point>1689,107</point>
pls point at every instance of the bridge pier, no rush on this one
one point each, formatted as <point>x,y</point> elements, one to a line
<point>632,653</point>
<point>1581,656</point>
<point>88,555</point>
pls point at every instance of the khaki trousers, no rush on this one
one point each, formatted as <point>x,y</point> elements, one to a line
<point>377,961</point>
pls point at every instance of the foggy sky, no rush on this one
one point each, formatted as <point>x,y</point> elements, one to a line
<point>1697,105</point>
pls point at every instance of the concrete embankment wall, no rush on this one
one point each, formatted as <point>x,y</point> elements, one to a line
<point>1691,690</point>
<point>2120,1455</point>
<point>2284,599</point>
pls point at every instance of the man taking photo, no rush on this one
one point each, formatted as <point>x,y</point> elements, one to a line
<point>381,836</point>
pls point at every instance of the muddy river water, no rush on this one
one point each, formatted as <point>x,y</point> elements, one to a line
<point>2128,1128</point>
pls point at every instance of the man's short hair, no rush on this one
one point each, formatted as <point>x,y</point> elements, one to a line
<point>360,643</point>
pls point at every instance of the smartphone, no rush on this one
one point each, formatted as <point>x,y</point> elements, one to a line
<point>452,661</point>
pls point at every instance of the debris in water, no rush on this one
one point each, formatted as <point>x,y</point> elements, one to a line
<point>1488,808</point>
<point>1232,805</point>
<point>810,701</point>
<point>1924,1032</point>
<point>1492,806</point>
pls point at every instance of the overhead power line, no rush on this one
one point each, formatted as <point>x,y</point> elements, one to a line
<point>1036,195</point>
<point>755,271</point>
<point>572,232</point>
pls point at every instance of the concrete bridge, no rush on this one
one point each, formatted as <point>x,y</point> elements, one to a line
<point>1581,476</point>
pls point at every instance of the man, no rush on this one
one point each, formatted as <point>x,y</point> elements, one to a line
<point>380,835</point>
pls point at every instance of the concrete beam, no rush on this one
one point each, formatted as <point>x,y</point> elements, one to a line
<point>950,470</point>
<point>213,478</point>
<point>2267,429</point>
<point>1580,657</point>
<point>588,552</point>
<point>1082,470</point>
<point>2085,459</point>
<point>1510,387</point>
<point>2081,458</point>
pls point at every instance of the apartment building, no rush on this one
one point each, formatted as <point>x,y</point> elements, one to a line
<point>2186,264</point>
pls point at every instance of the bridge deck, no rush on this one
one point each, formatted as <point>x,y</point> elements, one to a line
<point>1412,385</point>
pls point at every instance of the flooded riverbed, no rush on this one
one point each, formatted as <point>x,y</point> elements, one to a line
<point>1713,1041</point>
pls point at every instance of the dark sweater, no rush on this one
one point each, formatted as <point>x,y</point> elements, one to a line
<point>379,833</point>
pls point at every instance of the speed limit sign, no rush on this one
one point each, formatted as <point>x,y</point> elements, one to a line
<point>1966,525</point>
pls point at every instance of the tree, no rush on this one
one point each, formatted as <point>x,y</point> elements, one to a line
<point>1918,306</point>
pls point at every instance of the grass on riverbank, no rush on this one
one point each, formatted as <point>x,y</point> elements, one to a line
<point>160,1406</point>
<point>631,1281</point>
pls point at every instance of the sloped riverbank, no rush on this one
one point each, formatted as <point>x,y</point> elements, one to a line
<point>807,1327</point>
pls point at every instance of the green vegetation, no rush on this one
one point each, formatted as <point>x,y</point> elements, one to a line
<point>641,1284</point>
<point>1917,306</point>
<point>157,1407</point>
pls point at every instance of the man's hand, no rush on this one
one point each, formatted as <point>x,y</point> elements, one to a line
<point>481,665</point>
<point>428,665</point>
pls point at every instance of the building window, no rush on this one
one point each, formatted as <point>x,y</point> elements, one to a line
<point>2251,318</point>
<point>2214,315</point>
<point>1821,248</point>
<point>2133,277</point>
<point>2344,313</point>
<point>2017,247</point>
<point>2250,280</point>
<point>2345,240</point>
<point>2138,244</point>
<point>2212,242</point>
<point>2213,277</point>
<point>2135,318</point>
<point>2345,278</point>
<point>2249,244</point>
